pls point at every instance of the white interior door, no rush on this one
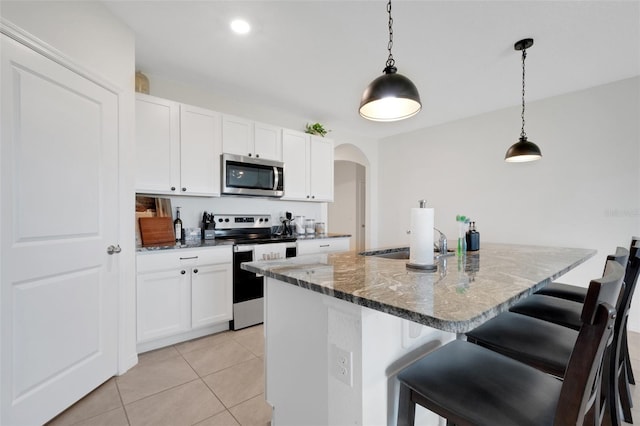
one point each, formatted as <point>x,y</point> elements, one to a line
<point>58,214</point>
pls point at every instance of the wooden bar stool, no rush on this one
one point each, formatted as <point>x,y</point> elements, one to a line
<point>548,346</point>
<point>577,294</point>
<point>471,385</point>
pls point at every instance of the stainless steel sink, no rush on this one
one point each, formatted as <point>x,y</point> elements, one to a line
<point>402,254</point>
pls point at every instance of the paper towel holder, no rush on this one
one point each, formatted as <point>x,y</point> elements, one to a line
<point>422,267</point>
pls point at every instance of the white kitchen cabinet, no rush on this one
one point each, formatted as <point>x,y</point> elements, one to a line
<point>308,160</point>
<point>267,141</point>
<point>178,148</point>
<point>211,295</point>
<point>157,145</point>
<point>321,169</point>
<point>200,149</point>
<point>322,245</point>
<point>181,294</point>
<point>162,308</point>
<point>252,139</point>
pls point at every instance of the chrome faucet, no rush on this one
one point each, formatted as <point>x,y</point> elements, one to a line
<point>441,246</point>
<point>442,242</point>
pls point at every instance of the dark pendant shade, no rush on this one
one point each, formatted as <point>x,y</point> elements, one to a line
<point>390,97</point>
<point>522,151</point>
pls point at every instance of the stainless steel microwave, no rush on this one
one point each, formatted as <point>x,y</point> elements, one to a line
<point>252,176</point>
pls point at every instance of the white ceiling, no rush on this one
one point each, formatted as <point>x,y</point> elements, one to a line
<point>314,58</point>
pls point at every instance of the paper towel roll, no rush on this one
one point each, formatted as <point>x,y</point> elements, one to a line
<point>421,243</point>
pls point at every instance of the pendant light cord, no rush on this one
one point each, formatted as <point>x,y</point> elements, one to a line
<point>390,61</point>
<point>523,135</point>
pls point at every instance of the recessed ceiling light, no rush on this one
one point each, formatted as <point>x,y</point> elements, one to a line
<point>240,26</point>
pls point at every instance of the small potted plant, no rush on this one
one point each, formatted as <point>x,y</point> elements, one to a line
<point>316,129</point>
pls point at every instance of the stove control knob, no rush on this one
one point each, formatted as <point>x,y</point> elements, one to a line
<point>226,220</point>
<point>220,220</point>
<point>266,219</point>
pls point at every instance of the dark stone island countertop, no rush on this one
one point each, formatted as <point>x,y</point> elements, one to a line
<point>461,294</point>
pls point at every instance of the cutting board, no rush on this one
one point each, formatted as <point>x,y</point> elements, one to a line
<point>156,230</point>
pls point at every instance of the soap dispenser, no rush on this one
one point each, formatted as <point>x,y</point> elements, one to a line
<point>473,238</point>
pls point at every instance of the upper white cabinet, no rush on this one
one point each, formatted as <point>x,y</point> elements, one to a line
<point>308,162</point>
<point>157,145</point>
<point>267,141</point>
<point>245,137</point>
<point>200,149</point>
<point>178,148</point>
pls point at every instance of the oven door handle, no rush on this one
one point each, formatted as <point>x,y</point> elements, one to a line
<point>242,248</point>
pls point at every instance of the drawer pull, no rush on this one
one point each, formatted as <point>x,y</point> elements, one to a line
<point>325,245</point>
<point>187,258</point>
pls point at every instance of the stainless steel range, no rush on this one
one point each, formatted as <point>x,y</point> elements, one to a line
<point>253,240</point>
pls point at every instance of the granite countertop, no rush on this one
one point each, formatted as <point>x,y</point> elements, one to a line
<point>463,293</point>
<point>221,242</point>
<point>177,246</point>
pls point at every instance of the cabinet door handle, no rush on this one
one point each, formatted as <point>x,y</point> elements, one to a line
<point>183,272</point>
<point>173,188</point>
<point>195,271</point>
<point>307,196</point>
<point>313,196</point>
<point>249,154</point>
<point>257,155</point>
<point>187,258</point>
<point>184,189</point>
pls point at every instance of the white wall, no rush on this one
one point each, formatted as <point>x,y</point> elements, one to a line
<point>584,192</point>
<point>342,212</point>
<point>90,37</point>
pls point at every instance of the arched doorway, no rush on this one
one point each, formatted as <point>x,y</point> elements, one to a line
<point>347,213</point>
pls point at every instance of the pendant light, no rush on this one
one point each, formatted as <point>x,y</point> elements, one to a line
<point>523,150</point>
<point>392,96</point>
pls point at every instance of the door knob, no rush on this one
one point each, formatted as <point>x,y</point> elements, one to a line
<point>114,249</point>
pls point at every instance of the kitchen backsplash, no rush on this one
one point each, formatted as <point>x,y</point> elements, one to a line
<point>191,208</point>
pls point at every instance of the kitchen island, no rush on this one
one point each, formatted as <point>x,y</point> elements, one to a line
<point>338,327</point>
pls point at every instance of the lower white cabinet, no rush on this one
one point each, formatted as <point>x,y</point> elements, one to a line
<point>322,245</point>
<point>181,294</point>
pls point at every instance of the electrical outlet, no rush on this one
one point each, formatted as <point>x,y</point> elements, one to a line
<point>342,365</point>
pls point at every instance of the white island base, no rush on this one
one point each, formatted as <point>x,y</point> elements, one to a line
<point>332,362</point>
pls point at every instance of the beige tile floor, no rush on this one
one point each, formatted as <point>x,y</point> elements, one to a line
<point>217,380</point>
<point>634,354</point>
<point>213,381</point>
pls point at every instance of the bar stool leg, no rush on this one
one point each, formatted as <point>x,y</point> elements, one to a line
<point>627,359</point>
<point>406,407</point>
<point>625,396</point>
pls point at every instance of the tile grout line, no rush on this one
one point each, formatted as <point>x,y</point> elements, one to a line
<point>124,408</point>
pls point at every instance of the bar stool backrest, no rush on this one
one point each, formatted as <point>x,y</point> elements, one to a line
<point>582,381</point>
